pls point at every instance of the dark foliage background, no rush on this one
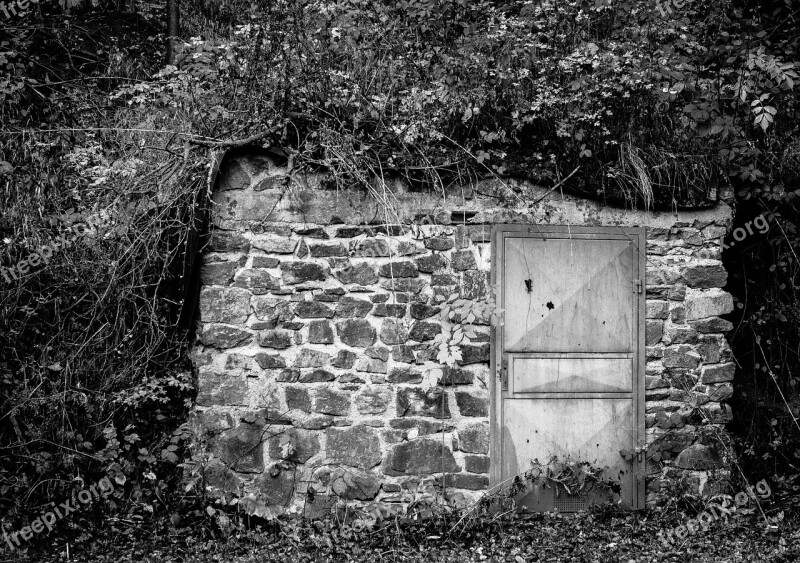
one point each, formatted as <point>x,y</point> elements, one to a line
<point>643,109</point>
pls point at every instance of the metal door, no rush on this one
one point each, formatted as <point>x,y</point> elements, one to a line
<point>568,360</point>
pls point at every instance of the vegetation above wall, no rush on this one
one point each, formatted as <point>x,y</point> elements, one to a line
<point>619,101</point>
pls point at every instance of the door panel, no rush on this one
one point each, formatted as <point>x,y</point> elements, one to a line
<point>567,374</point>
<point>580,295</point>
<point>568,360</point>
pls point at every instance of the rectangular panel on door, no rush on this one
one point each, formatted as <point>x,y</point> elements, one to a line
<point>568,361</point>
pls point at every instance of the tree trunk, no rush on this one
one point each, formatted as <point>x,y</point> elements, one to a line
<point>173,25</point>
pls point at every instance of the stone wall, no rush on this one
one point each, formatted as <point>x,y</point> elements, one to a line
<point>318,310</point>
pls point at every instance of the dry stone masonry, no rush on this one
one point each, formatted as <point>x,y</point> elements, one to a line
<point>317,315</point>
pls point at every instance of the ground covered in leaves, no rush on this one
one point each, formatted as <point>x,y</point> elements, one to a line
<point>598,536</point>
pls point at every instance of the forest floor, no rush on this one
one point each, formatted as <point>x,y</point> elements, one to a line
<point>598,536</point>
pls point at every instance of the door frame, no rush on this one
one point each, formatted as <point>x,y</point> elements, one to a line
<point>635,235</point>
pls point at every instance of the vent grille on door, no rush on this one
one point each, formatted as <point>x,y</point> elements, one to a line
<point>570,503</point>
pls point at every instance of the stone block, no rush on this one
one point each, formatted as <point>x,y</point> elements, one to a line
<point>344,359</point>
<point>224,305</point>
<point>455,376</point>
<point>474,284</point>
<point>474,438</point>
<point>316,376</point>
<point>308,358</point>
<point>279,339</point>
<point>431,263</point>
<point>241,448</point>
<point>357,446</point>
<point>420,457</point>
<point>701,304</point>
<point>678,334</point>
<point>313,310</point>
<point>681,356</point>
<point>399,270</point>
<point>270,307</point>
<point>717,373</point>
<point>258,281</point>
<point>320,332</point>
<point>462,260</point>
<point>706,275</point>
<point>393,332</point>
<point>474,354</point>
<point>404,375</point>
<point>297,398</point>
<point>711,325</point>
<point>373,400</point>
<point>222,480</point>
<point>439,243</point>
<point>294,445</point>
<point>423,331</point>
<point>224,336</point>
<point>224,241</point>
<point>331,402</point>
<point>656,309</point>
<point>294,273</point>
<point>273,244</point>
<point>269,361</point>
<point>476,463</point>
<point>354,484</point>
<point>218,273</point>
<point>327,250</point>
<point>361,274</point>
<point>654,330</point>
<point>403,354</point>
<point>349,307</point>
<point>464,481</point>
<point>410,285</point>
<point>276,487</point>
<point>358,333</point>
<point>472,403</point>
<point>221,390</point>
<point>417,402</point>
<point>720,393</point>
<point>390,310</point>
<point>377,353</point>
<point>371,365</point>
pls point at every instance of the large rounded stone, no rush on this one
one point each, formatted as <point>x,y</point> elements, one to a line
<point>699,458</point>
<point>420,457</point>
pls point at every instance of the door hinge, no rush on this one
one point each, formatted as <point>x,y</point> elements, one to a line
<point>504,374</point>
<point>638,285</point>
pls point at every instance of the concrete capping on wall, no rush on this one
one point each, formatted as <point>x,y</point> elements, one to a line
<point>311,345</point>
